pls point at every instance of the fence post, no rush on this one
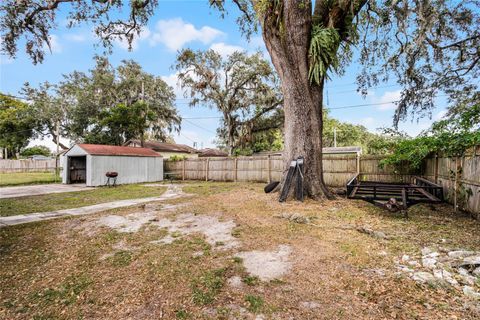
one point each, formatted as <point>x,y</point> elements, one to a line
<point>236,169</point>
<point>269,169</point>
<point>435,168</point>
<point>358,163</point>
<point>455,186</point>
<point>206,169</point>
<point>183,169</point>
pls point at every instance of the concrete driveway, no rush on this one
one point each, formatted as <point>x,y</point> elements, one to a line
<point>33,190</point>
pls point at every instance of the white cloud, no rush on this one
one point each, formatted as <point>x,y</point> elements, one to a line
<point>55,46</point>
<point>225,49</point>
<point>367,121</point>
<point>175,33</point>
<point>172,81</point>
<point>145,34</point>
<point>48,142</point>
<point>386,100</point>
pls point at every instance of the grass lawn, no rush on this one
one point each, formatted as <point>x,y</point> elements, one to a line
<point>24,178</point>
<point>58,201</point>
<point>80,268</point>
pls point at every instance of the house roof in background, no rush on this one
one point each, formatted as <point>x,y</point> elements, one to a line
<point>209,152</point>
<point>107,150</point>
<point>39,157</point>
<point>164,146</point>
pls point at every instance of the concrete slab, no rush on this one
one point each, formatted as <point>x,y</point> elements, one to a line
<point>33,190</point>
<point>171,193</point>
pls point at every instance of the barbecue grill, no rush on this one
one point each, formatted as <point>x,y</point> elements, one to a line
<point>111,178</point>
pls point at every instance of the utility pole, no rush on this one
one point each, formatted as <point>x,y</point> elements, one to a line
<point>142,138</point>
<point>142,97</point>
<point>335,137</point>
<point>57,132</point>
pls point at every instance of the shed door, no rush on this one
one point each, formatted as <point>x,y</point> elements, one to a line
<point>78,169</point>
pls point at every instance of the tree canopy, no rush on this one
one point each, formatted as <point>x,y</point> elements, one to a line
<point>451,137</point>
<point>18,122</point>
<point>36,150</point>
<point>430,48</point>
<point>107,105</point>
<point>242,87</point>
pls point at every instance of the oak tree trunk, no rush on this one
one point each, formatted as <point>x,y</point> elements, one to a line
<point>303,101</point>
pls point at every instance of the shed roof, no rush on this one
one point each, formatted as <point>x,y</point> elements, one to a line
<point>107,150</point>
<point>164,146</point>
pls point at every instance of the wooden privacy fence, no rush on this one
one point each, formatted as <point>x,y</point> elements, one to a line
<point>461,189</point>
<point>338,169</point>
<point>27,165</point>
<point>255,169</point>
<point>459,177</point>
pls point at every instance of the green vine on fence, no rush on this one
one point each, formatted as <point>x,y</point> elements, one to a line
<point>451,137</point>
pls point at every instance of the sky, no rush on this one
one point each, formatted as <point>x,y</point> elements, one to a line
<point>193,24</point>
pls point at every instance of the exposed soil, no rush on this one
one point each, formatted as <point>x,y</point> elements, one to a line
<point>267,265</point>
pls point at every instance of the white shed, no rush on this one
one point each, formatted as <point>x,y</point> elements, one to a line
<point>89,163</point>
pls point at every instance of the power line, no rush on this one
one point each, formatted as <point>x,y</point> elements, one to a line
<point>327,108</point>
<point>362,105</point>
<point>187,137</point>
<point>198,118</point>
<point>378,87</point>
<point>196,125</point>
<point>345,84</point>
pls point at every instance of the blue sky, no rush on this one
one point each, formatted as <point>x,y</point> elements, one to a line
<point>181,24</point>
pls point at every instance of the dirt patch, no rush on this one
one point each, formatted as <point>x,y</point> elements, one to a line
<point>267,265</point>
<point>130,223</point>
<point>217,233</point>
<point>235,282</point>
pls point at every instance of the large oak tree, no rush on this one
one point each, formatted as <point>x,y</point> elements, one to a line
<point>428,46</point>
<point>242,87</point>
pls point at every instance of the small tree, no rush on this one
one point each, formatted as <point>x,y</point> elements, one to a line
<point>107,105</point>
<point>36,150</point>
<point>17,124</point>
